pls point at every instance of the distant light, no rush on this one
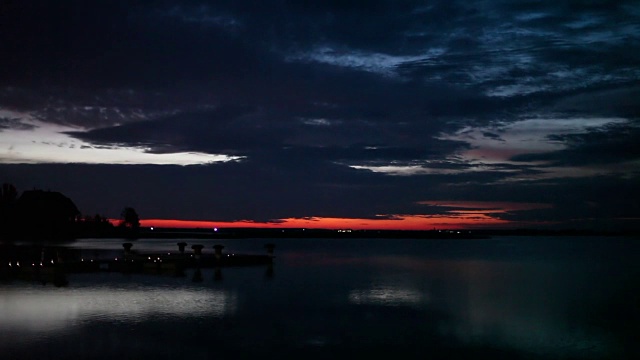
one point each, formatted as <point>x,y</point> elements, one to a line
<point>151,228</point>
<point>215,229</point>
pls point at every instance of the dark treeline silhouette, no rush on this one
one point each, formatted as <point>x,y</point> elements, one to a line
<point>130,223</point>
<point>94,226</point>
<point>37,214</point>
<point>40,215</point>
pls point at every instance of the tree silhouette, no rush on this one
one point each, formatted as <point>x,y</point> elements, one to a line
<point>130,218</point>
<point>8,199</point>
<point>94,226</point>
<point>42,215</point>
<point>8,194</point>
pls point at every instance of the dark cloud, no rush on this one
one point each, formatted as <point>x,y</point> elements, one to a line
<point>598,202</point>
<point>619,101</point>
<point>613,144</point>
<point>312,94</point>
<point>492,136</point>
<point>257,133</point>
<point>225,192</point>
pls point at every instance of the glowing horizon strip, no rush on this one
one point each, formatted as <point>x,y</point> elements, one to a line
<point>395,222</point>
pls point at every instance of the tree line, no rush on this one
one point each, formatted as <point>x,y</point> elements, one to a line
<point>49,215</point>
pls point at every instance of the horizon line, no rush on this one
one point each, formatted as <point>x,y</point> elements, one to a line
<point>407,223</point>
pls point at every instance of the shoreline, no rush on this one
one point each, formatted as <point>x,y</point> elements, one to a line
<point>242,233</point>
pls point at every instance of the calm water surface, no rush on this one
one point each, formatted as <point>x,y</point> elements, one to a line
<point>507,297</point>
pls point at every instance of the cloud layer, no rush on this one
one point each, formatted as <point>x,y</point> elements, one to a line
<point>337,110</point>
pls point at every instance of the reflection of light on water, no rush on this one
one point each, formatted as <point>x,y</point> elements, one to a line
<point>519,305</point>
<point>44,310</point>
<point>525,306</point>
<point>390,296</point>
<point>537,336</point>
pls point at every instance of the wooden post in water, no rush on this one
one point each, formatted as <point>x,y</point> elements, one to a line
<point>180,264</point>
<point>269,272</point>
<point>197,251</point>
<point>218,251</point>
<point>127,250</point>
<point>197,275</point>
<point>126,267</point>
<point>270,248</point>
<point>217,273</point>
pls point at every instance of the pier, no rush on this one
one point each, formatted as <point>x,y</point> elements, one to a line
<point>50,264</point>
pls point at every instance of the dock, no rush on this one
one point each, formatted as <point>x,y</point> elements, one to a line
<point>51,264</point>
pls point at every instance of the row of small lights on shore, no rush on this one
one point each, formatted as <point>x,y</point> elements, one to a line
<point>32,264</point>
<point>115,259</point>
<point>91,260</point>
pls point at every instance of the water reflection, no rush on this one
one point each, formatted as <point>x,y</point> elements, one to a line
<point>387,296</point>
<point>351,299</point>
<point>538,308</point>
<point>26,308</point>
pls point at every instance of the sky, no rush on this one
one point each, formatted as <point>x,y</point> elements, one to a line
<point>339,114</point>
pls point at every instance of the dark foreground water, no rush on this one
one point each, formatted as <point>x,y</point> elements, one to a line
<point>501,298</point>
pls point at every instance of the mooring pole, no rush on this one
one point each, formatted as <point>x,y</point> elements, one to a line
<point>217,273</point>
<point>127,249</point>
<point>218,251</point>
<point>197,275</point>
<point>197,251</point>
<point>270,248</point>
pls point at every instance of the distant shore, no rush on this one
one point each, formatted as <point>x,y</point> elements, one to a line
<point>226,233</point>
<point>289,233</point>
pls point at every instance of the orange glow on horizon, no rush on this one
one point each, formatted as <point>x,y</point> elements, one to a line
<point>407,222</point>
<point>454,214</point>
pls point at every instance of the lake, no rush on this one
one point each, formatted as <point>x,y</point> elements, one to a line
<point>499,298</point>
